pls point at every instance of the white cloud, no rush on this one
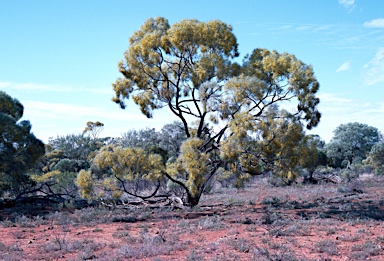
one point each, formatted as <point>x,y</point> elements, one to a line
<point>347,3</point>
<point>52,119</point>
<point>333,98</point>
<point>323,28</point>
<point>376,23</point>
<point>49,110</point>
<point>303,28</point>
<point>337,109</point>
<point>33,87</point>
<point>286,27</point>
<point>344,67</point>
<point>374,69</point>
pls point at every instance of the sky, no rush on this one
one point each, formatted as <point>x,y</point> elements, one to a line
<point>59,58</point>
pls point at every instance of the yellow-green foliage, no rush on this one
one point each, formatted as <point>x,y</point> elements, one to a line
<point>192,166</point>
<point>161,59</point>
<point>85,182</point>
<point>52,175</point>
<point>269,78</point>
<point>376,158</point>
<point>284,143</point>
<point>62,183</point>
<point>129,163</point>
<point>281,146</point>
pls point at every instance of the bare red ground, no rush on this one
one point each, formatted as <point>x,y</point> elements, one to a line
<point>316,222</point>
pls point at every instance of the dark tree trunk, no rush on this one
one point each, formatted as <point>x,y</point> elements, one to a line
<point>192,200</point>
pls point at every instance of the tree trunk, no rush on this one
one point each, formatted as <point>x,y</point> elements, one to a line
<point>192,200</point>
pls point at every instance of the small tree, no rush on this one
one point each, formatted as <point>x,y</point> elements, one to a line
<point>94,128</point>
<point>188,68</point>
<point>376,158</point>
<point>314,146</point>
<point>122,170</point>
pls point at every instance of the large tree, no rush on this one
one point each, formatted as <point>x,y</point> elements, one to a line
<point>351,143</point>
<point>19,148</point>
<point>189,68</point>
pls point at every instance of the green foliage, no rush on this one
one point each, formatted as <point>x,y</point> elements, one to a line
<point>145,139</point>
<point>171,137</point>
<point>351,143</point>
<point>70,153</point>
<point>19,148</point>
<point>313,156</point>
<point>189,68</point>
<point>58,184</point>
<point>75,147</point>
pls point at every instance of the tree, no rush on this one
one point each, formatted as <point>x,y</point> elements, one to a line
<point>72,152</point>
<point>351,143</point>
<point>168,139</point>
<point>145,138</point>
<point>376,158</point>
<point>189,69</point>
<point>94,128</point>
<point>315,157</point>
<point>281,148</point>
<point>19,148</point>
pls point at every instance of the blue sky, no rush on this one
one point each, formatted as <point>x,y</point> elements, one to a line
<point>59,58</point>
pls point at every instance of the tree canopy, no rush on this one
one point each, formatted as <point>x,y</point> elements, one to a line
<point>19,148</point>
<point>189,68</point>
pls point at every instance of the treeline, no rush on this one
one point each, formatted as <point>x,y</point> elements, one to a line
<point>138,163</point>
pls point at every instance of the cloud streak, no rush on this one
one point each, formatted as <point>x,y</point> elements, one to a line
<point>344,67</point>
<point>374,69</point>
<point>347,3</point>
<point>356,37</point>
<point>376,23</point>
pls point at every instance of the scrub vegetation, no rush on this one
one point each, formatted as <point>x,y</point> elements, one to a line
<point>236,171</point>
